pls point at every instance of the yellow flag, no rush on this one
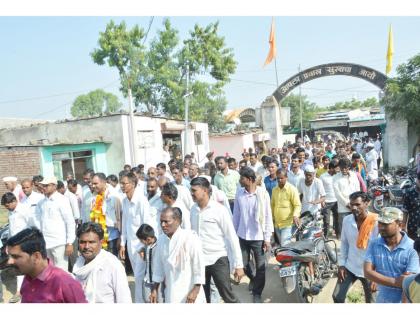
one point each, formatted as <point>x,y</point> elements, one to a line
<point>272,42</point>
<point>390,51</point>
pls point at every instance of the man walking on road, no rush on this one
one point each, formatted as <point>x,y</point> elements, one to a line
<point>359,230</point>
<point>136,211</point>
<point>254,225</point>
<point>214,226</point>
<point>286,207</point>
<point>226,180</point>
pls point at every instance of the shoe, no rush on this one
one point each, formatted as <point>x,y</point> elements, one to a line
<point>251,286</point>
<point>257,299</point>
<point>15,299</point>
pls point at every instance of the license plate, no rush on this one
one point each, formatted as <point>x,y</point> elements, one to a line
<point>287,271</point>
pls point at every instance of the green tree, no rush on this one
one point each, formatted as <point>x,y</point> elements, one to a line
<point>309,110</point>
<point>354,104</point>
<point>122,49</point>
<point>402,93</point>
<point>95,103</point>
<point>157,75</point>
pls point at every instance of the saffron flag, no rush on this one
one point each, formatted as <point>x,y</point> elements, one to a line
<point>272,42</point>
<point>390,51</point>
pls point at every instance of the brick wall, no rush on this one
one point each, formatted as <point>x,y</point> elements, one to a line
<point>22,162</point>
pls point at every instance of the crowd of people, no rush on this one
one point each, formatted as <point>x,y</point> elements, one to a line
<point>190,230</point>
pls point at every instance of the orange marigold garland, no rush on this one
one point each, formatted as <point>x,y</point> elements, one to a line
<point>97,216</point>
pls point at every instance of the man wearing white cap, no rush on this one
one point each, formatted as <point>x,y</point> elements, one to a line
<point>56,222</point>
<point>13,186</point>
<point>312,191</point>
<point>371,161</point>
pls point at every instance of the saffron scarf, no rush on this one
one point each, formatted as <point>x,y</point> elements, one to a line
<point>365,230</point>
<point>97,215</point>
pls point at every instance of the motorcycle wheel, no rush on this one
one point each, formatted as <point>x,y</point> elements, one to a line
<point>300,293</point>
<point>332,255</point>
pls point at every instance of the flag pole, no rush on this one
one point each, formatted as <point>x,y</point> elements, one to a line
<point>275,67</point>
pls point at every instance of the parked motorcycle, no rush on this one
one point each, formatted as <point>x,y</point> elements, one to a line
<point>306,265</point>
<point>389,190</point>
<point>4,235</point>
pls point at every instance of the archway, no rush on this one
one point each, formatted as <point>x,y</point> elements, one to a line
<point>330,69</point>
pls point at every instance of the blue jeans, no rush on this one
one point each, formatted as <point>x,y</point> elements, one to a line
<point>284,235</point>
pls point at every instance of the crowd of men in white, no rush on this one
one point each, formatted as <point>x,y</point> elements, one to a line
<point>183,219</point>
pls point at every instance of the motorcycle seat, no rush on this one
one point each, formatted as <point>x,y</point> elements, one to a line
<point>301,246</point>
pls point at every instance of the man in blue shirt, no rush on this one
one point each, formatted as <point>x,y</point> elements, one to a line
<point>270,181</point>
<point>391,257</point>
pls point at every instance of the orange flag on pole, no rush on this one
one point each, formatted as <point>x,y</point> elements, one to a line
<point>272,41</point>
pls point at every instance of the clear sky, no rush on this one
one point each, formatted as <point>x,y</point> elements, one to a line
<point>45,61</point>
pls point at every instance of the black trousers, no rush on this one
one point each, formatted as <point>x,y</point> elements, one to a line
<point>256,248</point>
<point>113,247</point>
<point>231,204</point>
<point>220,273</point>
<point>341,289</point>
<point>326,213</point>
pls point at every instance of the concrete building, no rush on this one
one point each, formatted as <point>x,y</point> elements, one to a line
<point>101,143</point>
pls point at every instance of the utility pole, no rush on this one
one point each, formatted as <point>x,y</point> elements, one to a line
<point>186,96</point>
<point>300,106</point>
<point>132,130</point>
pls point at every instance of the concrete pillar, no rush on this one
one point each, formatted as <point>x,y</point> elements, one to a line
<point>396,142</point>
<point>271,122</point>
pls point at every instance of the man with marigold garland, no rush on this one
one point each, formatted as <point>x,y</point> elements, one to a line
<point>106,211</point>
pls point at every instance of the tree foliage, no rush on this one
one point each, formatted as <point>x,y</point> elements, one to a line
<point>95,103</point>
<point>354,104</point>
<point>309,110</point>
<point>402,94</point>
<point>157,74</point>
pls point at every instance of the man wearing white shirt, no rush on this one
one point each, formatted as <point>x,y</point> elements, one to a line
<point>178,262</point>
<point>136,211</point>
<point>183,187</point>
<point>371,158</point>
<point>162,172</point>
<point>254,163</point>
<point>87,195</point>
<point>74,203</point>
<point>166,156</point>
<point>12,185</point>
<point>295,174</point>
<point>214,226</point>
<point>155,202</point>
<point>56,222</point>
<point>31,197</point>
<point>358,230</point>
<point>170,196</point>
<point>312,191</point>
<point>330,199</point>
<point>111,207</point>
<point>344,183</point>
<point>101,274</point>
<point>20,218</point>
<point>193,171</point>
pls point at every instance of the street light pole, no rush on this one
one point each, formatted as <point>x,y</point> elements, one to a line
<point>300,108</point>
<point>186,96</point>
<point>132,130</point>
